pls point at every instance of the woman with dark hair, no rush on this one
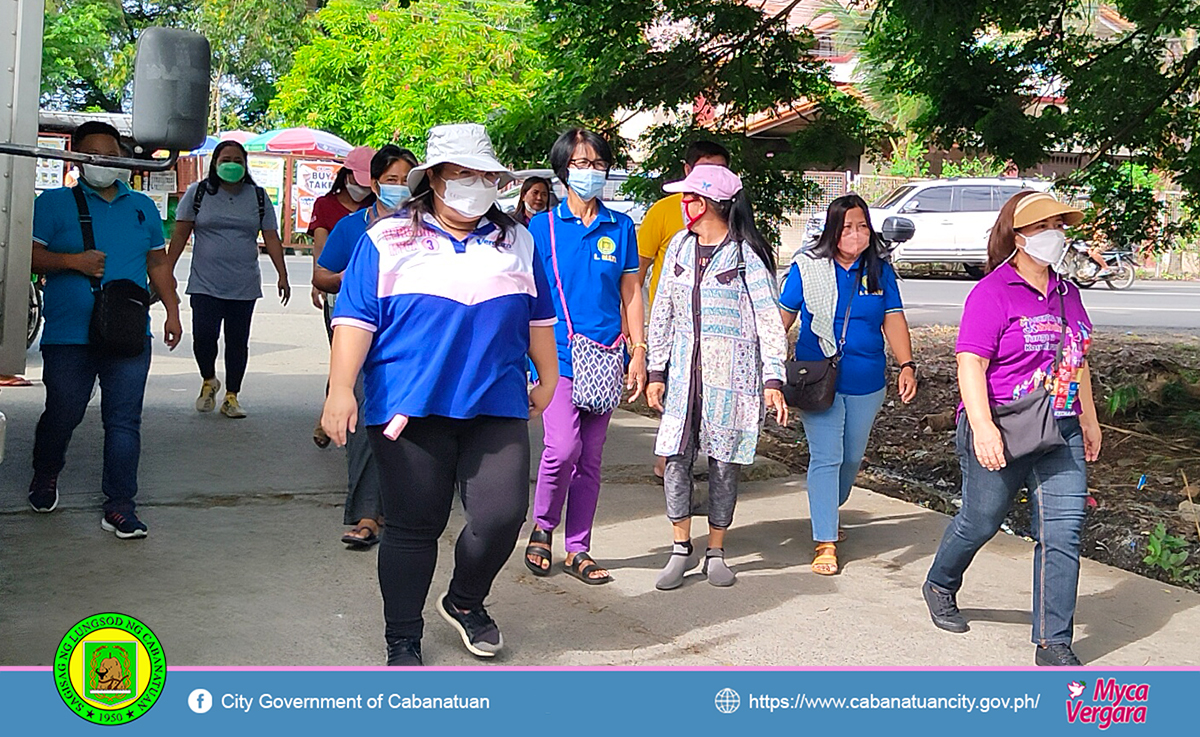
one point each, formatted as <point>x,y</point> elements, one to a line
<point>225,212</point>
<point>350,192</point>
<point>389,176</point>
<point>846,296</point>
<point>439,307</point>
<point>714,370</point>
<point>1024,337</point>
<point>534,198</point>
<point>591,254</point>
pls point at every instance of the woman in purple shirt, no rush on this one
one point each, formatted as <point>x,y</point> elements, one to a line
<point>1008,346</point>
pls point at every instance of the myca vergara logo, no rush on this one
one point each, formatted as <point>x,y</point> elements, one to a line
<point>1112,703</point>
<point>109,669</point>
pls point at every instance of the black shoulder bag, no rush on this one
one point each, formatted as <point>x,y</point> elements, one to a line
<point>1028,425</point>
<point>811,385</point>
<point>122,307</point>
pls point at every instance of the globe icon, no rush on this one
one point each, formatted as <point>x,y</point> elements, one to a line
<point>728,701</point>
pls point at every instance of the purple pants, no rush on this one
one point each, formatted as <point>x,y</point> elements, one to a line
<point>570,469</point>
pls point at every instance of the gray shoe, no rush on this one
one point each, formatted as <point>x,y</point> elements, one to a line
<point>680,562</point>
<point>943,609</point>
<point>719,574</point>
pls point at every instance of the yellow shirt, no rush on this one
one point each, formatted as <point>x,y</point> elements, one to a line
<point>663,220</point>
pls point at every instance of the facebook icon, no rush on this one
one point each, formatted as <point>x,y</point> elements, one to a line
<point>200,701</point>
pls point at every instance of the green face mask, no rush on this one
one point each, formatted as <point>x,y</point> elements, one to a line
<point>231,172</point>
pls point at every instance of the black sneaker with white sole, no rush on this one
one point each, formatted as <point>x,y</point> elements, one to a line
<point>43,493</point>
<point>124,525</point>
<point>476,628</point>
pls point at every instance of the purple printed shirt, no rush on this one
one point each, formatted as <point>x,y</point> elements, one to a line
<point>1018,330</point>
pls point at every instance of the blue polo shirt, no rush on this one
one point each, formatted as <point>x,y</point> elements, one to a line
<point>126,230</point>
<point>591,261</point>
<point>450,319</point>
<point>340,243</point>
<point>863,369</point>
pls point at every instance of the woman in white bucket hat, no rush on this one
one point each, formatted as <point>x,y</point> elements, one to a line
<point>439,307</point>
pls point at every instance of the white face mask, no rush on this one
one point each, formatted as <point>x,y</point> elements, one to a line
<point>470,200</point>
<point>357,192</point>
<point>1046,247</point>
<point>103,177</point>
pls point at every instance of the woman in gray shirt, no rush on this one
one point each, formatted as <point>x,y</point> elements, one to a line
<point>225,212</point>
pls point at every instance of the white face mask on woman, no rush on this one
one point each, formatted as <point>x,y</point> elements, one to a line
<point>470,200</point>
<point>1046,247</point>
<point>357,192</point>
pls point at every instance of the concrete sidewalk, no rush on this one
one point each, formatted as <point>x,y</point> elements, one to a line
<point>243,565</point>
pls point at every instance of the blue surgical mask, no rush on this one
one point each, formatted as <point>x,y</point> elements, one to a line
<point>391,195</point>
<point>587,183</point>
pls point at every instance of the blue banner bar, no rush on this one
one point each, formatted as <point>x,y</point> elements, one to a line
<point>633,702</point>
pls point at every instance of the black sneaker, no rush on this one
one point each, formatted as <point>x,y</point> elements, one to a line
<point>125,526</point>
<point>1056,656</point>
<point>404,652</point>
<point>43,493</point>
<point>476,627</point>
<point>943,609</point>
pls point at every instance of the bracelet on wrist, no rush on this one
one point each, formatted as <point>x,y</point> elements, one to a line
<point>643,346</point>
<point>909,364</point>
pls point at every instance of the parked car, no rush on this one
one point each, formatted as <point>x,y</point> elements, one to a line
<point>613,198</point>
<point>952,218</point>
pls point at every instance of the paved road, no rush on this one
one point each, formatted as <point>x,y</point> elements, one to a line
<point>928,301</point>
<point>244,566</point>
<point>1159,305</point>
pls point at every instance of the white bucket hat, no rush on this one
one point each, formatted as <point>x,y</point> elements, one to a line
<point>465,144</point>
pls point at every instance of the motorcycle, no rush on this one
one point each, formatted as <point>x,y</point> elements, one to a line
<point>1079,267</point>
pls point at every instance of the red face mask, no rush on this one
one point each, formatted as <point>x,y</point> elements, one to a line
<point>688,219</point>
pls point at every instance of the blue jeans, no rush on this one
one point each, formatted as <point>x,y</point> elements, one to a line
<point>69,373</point>
<point>1058,480</point>
<point>837,439</point>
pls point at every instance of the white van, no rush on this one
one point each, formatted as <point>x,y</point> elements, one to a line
<point>953,217</point>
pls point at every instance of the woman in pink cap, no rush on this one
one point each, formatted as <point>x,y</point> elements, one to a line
<point>351,192</point>
<point>717,348</point>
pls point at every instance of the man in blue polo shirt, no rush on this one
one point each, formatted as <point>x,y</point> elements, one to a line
<point>128,245</point>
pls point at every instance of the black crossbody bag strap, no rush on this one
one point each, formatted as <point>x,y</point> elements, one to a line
<point>85,227</point>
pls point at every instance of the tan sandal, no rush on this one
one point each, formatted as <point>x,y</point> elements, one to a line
<point>825,563</point>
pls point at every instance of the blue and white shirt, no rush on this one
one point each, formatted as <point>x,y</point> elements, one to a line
<point>592,259</point>
<point>450,318</point>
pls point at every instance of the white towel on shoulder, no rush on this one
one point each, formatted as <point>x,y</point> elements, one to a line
<point>818,278</point>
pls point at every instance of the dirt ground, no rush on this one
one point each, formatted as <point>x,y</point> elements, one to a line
<point>1147,391</point>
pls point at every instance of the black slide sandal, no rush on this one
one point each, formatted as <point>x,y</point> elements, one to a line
<point>580,569</point>
<point>541,551</point>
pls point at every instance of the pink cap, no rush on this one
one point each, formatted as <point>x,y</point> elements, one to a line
<point>359,162</point>
<point>708,180</point>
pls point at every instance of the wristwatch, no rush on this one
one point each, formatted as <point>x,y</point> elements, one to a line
<point>909,364</point>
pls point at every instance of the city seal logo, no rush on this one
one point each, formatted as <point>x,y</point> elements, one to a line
<point>109,669</point>
<point>607,247</point>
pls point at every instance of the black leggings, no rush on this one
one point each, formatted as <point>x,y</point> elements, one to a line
<point>487,460</point>
<point>207,315</point>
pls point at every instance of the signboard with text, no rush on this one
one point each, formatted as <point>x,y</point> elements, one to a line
<point>313,179</point>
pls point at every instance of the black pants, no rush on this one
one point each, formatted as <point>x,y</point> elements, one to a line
<point>207,315</point>
<point>487,460</point>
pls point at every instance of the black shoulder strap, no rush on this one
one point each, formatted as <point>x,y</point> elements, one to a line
<point>85,226</point>
<point>201,188</point>
<point>262,204</point>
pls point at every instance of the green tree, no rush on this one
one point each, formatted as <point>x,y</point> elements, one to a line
<point>380,72</point>
<point>705,68</point>
<point>252,42</point>
<point>1023,78</point>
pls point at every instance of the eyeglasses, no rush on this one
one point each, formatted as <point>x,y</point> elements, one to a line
<point>469,176</point>
<point>597,164</point>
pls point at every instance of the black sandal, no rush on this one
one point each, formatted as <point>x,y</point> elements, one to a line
<point>582,567</point>
<point>541,551</point>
